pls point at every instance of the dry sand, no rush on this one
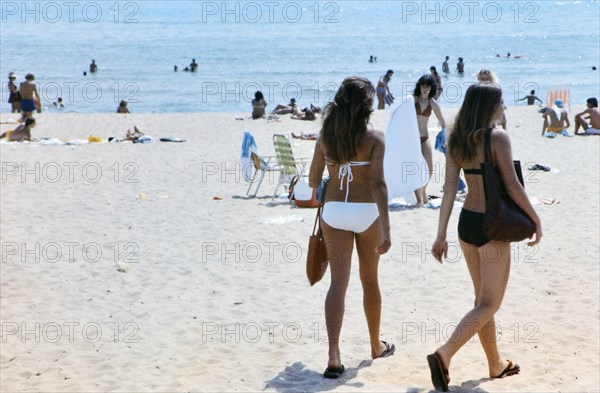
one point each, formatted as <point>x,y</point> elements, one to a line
<point>215,298</point>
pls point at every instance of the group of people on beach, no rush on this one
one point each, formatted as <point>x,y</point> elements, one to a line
<point>259,106</point>
<point>355,211</point>
<point>556,120</point>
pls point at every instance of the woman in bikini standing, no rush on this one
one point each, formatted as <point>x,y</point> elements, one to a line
<point>424,94</point>
<point>488,260</point>
<point>383,89</point>
<point>353,153</point>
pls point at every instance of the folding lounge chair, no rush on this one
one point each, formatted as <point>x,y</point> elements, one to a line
<point>254,165</point>
<point>289,167</point>
<point>558,93</point>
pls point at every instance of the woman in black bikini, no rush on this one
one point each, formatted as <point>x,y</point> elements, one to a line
<point>488,260</point>
<point>424,94</point>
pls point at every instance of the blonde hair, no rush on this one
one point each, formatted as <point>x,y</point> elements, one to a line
<point>486,76</point>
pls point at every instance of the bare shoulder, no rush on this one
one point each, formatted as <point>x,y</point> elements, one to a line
<point>500,140</point>
<point>376,137</point>
<point>434,103</point>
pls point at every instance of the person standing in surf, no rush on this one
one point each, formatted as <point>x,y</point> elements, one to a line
<point>355,210</point>
<point>438,81</point>
<point>425,104</point>
<point>488,260</point>
<point>383,89</point>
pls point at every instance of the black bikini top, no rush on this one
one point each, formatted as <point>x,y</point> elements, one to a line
<point>474,171</point>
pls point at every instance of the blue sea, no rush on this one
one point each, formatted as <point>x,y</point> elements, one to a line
<point>289,49</point>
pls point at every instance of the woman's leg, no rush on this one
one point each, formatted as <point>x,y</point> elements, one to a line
<point>369,261</point>
<point>491,262</point>
<point>421,193</point>
<point>339,250</point>
<point>381,100</point>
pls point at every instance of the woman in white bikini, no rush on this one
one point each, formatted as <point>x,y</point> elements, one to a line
<point>488,260</point>
<point>353,153</point>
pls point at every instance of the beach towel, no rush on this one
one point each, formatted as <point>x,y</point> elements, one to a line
<point>440,141</point>
<point>249,147</point>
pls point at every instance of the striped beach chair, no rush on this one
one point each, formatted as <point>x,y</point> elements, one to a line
<point>289,166</point>
<point>558,92</point>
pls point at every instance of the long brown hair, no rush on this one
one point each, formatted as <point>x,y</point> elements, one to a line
<point>481,104</point>
<point>345,119</point>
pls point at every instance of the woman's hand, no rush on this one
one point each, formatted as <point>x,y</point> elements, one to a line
<point>538,235</point>
<point>385,245</point>
<point>440,249</point>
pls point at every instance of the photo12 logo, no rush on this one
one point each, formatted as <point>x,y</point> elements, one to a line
<point>269,12</point>
<point>469,11</point>
<point>70,11</point>
<point>68,172</point>
<point>53,332</point>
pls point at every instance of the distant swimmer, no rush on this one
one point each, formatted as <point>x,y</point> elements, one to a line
<point>445,66</point>
<point>371,59</point>
<point>193,65</point>
<point>58,103</point>
<point>460,66</point>
<point>594,68</point>
<point>175,68</point>
<point>531,98</point>
<point>93,67</point>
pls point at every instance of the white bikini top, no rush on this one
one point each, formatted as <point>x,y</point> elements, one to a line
<point>346,171</point>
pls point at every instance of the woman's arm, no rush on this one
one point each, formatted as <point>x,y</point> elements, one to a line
<point>502,152</point>
<point>438,113</point>
<point>317,166</point>
<point>440,246</point>
<point>379,188</point>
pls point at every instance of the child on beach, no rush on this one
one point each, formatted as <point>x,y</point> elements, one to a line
<point>488,260</point>
<point>349,146</point>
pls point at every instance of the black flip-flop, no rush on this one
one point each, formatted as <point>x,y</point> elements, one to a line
<point>439,375</point>
<point>511,369</point>
<point>389,350</point>
<point>334,373</point>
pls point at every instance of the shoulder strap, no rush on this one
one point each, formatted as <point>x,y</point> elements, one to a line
<point>487,146</point>
<point>317,220</point>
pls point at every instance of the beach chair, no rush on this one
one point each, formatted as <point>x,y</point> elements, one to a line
<point>254,165</point>
<point>288,165</point>
<point>558,92</point>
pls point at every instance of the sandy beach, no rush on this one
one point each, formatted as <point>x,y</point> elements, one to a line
<point>143,267</point>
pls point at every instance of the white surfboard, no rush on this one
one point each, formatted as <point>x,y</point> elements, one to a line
<point>404,165</point>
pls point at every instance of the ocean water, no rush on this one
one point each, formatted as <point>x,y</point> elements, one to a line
<point>289,49</point>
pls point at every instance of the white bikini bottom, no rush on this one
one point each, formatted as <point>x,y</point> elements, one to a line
<point>350,216</point>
